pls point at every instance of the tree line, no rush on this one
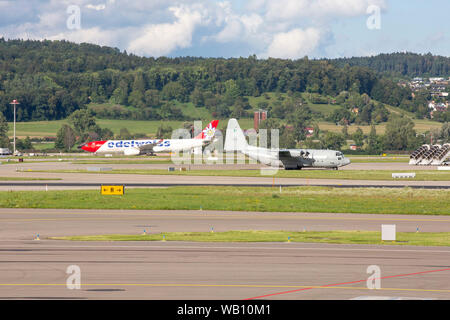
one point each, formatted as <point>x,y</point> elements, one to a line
<point>399,135</point>
<point>401,64</point>
<point>52,79</point>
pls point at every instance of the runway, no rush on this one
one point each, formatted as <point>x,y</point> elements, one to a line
<point>24,224</point>
<point>94,180</point>
<point>110,162</point>
<point>182,270</point>
<point>220,271</point>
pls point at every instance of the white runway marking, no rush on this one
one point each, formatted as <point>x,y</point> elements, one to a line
<point>150,246</point>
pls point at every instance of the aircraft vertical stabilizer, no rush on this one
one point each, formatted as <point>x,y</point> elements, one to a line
<point>235,139</point>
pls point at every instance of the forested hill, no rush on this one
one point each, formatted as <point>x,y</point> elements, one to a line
<point>31,57</point>
<point>51,79</point>
<point>404,64</point>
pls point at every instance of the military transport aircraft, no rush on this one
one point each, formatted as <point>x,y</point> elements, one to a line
<point>290,159</point>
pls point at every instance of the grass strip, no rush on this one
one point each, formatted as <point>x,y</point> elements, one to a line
<point>421,175</point>
<point>265,199</point>
<point>339,237</point>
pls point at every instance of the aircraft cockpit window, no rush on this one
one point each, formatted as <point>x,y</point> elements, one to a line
<point>339,154</point>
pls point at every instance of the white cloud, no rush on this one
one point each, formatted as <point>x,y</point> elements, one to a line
<point>114,23</point>
<point>294,44</point>
<point>278,28</point>
<point>50,20</point>
<point>287,28</point>
<point>255,5</point>
<point>96,7</point>
<point>316,9</point>
<point>231,32</point>
<point>90,35</point>
<point>161,39</point>
<point>252,22</point>
<point>246,27</point>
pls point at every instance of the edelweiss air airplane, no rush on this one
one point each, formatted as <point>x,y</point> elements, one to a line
<point>139,147</point>
<point>290,159</point>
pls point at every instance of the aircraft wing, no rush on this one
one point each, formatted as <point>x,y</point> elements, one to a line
<point>294,161</point>
<point>148,147</point>
<point>207,142</point>
<point>287,159</point>
<point>141,149</point>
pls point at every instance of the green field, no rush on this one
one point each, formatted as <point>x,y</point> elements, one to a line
<point>421,175</point>
<point>324,109</point>
<point>188,109</point>
<point>421,126</point>
<point>193,112</point>
<point>42,146</point>
<point>291,199</point>
<point>340,237</point>
<point>50,128</point>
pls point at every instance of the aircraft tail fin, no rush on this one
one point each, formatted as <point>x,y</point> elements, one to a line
<point>209,131</point>
<point>235,139</point>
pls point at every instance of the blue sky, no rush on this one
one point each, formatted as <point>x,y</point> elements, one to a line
<point>231,28</point>
<point>415,26</point>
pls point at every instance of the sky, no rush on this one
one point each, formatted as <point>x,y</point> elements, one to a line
<point>288,29</point>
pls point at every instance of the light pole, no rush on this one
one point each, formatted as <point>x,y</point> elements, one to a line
<point>14,103</point>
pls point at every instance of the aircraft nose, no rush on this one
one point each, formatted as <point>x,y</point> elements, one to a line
<point>346,161</point>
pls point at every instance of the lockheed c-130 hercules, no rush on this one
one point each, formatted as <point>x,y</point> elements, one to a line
<point>290,159</point>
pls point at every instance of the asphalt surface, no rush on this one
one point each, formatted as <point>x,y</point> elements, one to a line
<point>24,224</point>
<point>68,164</point>
<point>36,269</point>
<point>93,180</point>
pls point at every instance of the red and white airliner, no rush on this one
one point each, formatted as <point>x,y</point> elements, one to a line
<point>139,147</point>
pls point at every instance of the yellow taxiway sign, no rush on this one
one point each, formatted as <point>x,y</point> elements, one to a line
<point>114,190</point>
